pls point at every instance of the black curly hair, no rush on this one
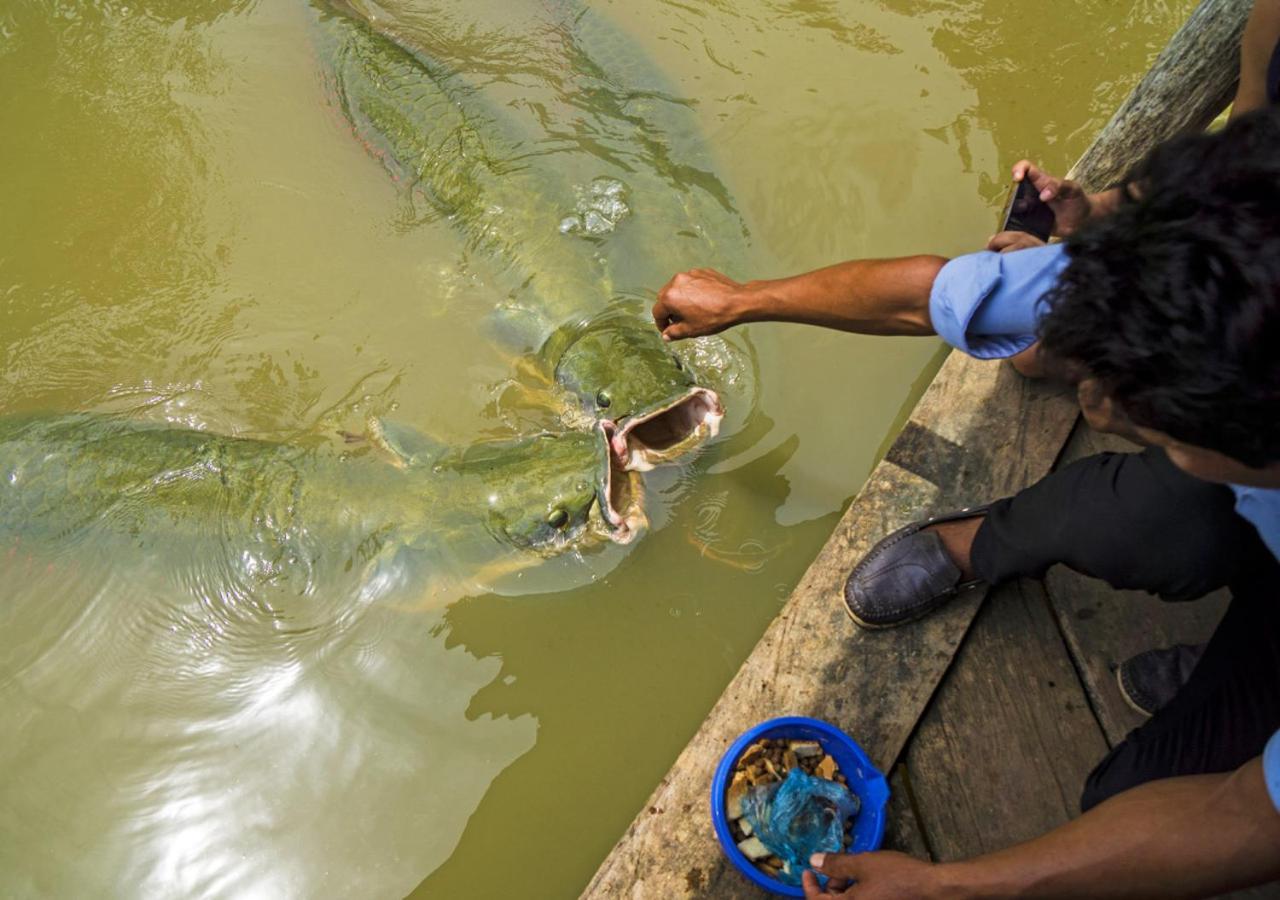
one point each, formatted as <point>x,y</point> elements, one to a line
<point>1173,301</point>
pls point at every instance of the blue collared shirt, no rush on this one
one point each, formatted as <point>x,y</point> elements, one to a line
<point>989,305</point>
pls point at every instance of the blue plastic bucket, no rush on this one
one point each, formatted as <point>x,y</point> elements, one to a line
<point>864,779</point>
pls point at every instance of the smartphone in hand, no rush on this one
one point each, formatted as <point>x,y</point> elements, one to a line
<point>1025,211</point>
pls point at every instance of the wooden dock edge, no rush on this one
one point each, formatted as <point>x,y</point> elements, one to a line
<point>979,432</point>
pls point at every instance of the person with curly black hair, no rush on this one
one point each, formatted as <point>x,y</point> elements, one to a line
<point>1166,314</point>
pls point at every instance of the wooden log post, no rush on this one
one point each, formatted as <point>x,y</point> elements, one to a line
<point>1191,82</point>
<point>979,432</point>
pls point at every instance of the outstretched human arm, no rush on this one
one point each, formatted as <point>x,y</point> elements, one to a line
<point>872,296</point>
<point>1189,837</point>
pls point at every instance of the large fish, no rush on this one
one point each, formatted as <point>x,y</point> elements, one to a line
<point>274,513</point>
<point>467,164</point>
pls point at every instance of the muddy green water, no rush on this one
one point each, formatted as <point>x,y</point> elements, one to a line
<point>189,233</point>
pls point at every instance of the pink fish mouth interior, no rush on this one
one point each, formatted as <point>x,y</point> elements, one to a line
<point>644,441</point>
<point>621,499</point>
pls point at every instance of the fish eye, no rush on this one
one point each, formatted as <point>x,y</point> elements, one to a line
<point>558,518</point>
<point>603,399</point>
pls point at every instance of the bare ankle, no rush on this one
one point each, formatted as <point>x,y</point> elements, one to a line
<point>957,539</point>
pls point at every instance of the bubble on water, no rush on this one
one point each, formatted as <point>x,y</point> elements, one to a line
<point>598,208</point>
<point>594,223</point>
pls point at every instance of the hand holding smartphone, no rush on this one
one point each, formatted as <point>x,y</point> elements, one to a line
<point>1026,212</point>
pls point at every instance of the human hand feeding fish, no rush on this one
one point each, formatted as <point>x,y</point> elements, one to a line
<point>700,302</point>
<point>651,407</point>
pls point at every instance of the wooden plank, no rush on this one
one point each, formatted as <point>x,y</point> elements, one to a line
<point>1000,433</point>
<point>1003,751</point>
<point>1104,626</point>
<point>978,432</point>
<point>1191,82</point>
<point>903,831</point>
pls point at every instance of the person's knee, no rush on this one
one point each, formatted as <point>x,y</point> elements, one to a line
<point>1164,532</point>
<point>1094,793</point>
<point>1128,765</point>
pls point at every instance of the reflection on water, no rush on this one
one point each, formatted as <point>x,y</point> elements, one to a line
<point>190,234</point>
<point>229,648</point>
<point>154,754</point>
<point>87,288</point>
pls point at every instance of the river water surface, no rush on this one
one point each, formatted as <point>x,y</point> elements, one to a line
<point>190,234</point>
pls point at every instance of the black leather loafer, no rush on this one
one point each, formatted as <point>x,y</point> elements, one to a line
<point>906,576</point>
<point>1151,679</point>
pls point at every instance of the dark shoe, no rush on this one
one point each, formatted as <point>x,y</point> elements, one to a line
<point>907,575</point>
<point>1150,680</point>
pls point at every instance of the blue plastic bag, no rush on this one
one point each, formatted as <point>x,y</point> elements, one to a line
<point>800,817</point>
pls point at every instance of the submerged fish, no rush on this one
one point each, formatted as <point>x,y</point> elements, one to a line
<point>436,136</point>
<point>647,401</point>
<point>278,509</point>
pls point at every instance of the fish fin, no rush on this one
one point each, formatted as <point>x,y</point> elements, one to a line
<point>440,590</point>
<point>524,408</point>
<point>530,368</point>
<point>407,446</point>
<point>517,328</point>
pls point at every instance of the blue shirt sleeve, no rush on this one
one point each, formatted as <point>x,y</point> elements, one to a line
<point>988,304</point>
<point>1271,768</point>
<point>1261,508</point>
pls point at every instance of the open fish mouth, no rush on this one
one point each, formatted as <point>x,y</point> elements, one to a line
<point>620,499</point>
<point>663,434</point>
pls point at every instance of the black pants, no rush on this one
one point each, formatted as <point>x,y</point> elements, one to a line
<point>1138,522</point>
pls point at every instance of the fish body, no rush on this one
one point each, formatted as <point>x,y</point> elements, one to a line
<point>455,155</point>
<point>438,137</point>
<point>276,510</point>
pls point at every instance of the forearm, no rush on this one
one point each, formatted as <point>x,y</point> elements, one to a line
<point>1260,36</point>
<point>1105,202</point>
<point>877,296</point>
<point>1178,838</point>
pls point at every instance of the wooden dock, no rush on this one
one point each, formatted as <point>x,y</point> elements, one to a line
<point>989,714</point>
<point>1030,704</point>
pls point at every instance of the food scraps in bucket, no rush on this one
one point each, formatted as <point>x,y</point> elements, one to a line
<point>770,761</point>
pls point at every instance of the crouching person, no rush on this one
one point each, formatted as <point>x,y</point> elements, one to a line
<point>1166,314</point>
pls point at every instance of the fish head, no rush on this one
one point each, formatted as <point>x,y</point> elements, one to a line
<point>550,491</point>
<point>630,382</point>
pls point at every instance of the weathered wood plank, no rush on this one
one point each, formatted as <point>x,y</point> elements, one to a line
<point>1002,433</point>
<point>1191,82</point>
<point>1002,753</point>
<point>903,831</point>
<point>978,432</point>
<point>1103,626</point>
